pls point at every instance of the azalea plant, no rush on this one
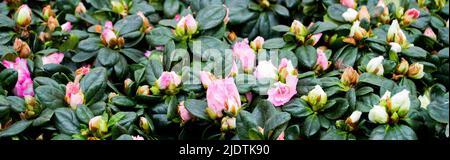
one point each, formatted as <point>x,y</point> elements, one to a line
<point>224,70</point>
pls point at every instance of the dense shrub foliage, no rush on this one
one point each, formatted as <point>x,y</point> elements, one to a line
<point>224,69</point>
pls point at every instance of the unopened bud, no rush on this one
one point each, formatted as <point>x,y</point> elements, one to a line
<point>47,12</point>
<point>144,124</point>
<point>349,77</point>
<point>402,68</point>
<point>416,71</point>
<point>23,16</point>
<point>143,90</point>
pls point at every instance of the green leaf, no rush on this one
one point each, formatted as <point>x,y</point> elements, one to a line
<point>107,57</point>
<point>66,121</point>
<point>334,134</point>
<point>307,56</point>
<point>335,12</point>
<point>8,77</point>
<point>159,36</point>
<point>5,21</point>
<point>93,85</point>
<point>244,123</point>
<point>50,97</point>
<point>153,71</point>
<point>15,129</point>
<point>281,28</point>
<point>346,56</point>
<point>338,109</point>
<point>197,108</point>
<point>125,137</point>
<point>133,54</point>
<point>292,133</point>
<point>128,24</point>
<point>311,125</point>
<point>115,118</point>
<point>275,121</point>
<point>89,45</point>
<point>171,7</point>
<point>211,16</point>
<point>274,43</point>
<point>172,109</point>
<point>396,132</point>
<point>84,114</point>
<point>44,117</point>
<point>364,90</point>
<point>123,101</point>
<point>281,10</point>
<point>438,108</point>
<point>320,27</point>
<point>17,104</point>
<point>128,119</point>
<point>263,111</point>
<point>415,52</point>
<point>82,56</point>
<point>298,108</point>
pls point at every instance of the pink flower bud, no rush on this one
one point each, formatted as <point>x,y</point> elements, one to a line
<point>206,78</point>
<point>348,3</point>
<point>257,43</point>
<point>243,52</point>
<point>410,16</point>
<point>24,84</point>
<point>54,58</point>
<point>23,16</point>
<point>66,27</point>
<point>322,60</point>
<point>147,54</point>
<point>137,138</point>
<point>167,79</point>
<point>108,37</point>
<point>429,33</point>
<point>184,113</point>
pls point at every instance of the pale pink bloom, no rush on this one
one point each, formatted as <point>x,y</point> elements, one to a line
<point>206,78</point>
<point>249,96</point>
<point>66,27</point>
<point>55,58</point>
<point>316,38</point>
<point>168,78</point>
<point>24,84</point>
<point>108,25</point>
<point>281,93</point>
<point>234,69</point>
<point>429,33</point>
<point>412,13</point>
<point>223,94</point>
<point>281,136</point>
<point>243,52</point>
<point>137,137</point>
<point>108,35</point>
<point>72,88</point>
<point>322,59</point>
<point>147,53</point>
<point>348,3</point>
<point>76,99</point>
<point>265,69</point>
<point>191,24</point>
<point>177,17</point>
<point>83,70</point>
<point>183,112</point>
<point>74,96</point>
<point>160,48</point>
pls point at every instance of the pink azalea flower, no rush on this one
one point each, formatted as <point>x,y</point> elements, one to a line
<point>168,78</point>
<point>322,59</point>
<point>183,112</point>
<point>55,58</point>
<point>348,3</point>
<point>66,27</point>
<point>281,93</point>
<point>243,52</point>
<point>24,84</point>
<point>223,94</point>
